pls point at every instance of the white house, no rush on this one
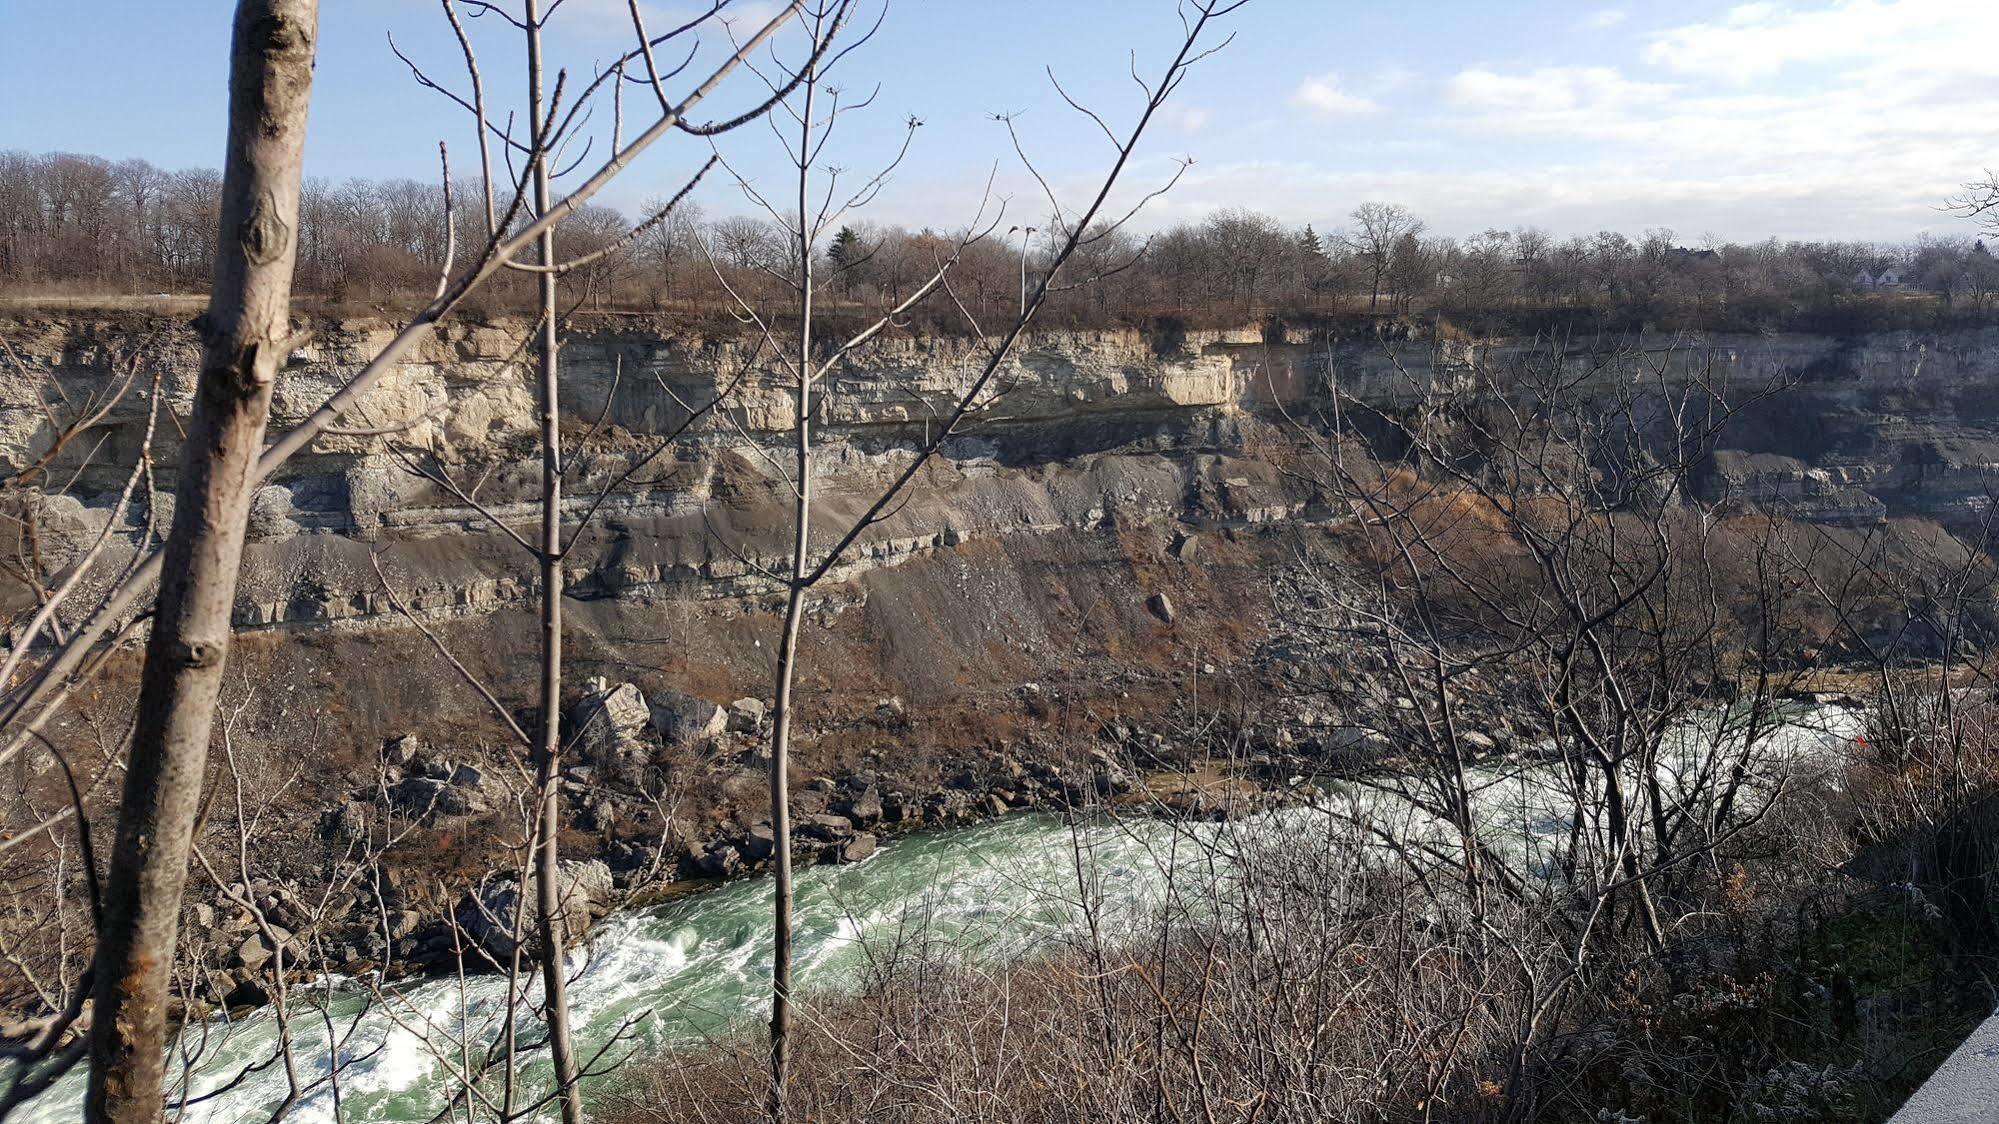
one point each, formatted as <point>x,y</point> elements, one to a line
<point>1889,278</point>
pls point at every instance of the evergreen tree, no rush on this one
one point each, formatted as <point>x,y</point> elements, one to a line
<point>1311,260</point>
<point>845,254</point>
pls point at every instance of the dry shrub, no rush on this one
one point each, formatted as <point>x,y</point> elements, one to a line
<point>1304,989</point>
<point>1290,981</point>
<point>1927,806</point>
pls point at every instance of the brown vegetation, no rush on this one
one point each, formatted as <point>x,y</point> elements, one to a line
<point>88,228</point>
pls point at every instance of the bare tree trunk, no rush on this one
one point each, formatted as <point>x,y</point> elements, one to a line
<point>804,371</point>
<point>548,754</point>
<point>787,651</point>
<point>245,334</point>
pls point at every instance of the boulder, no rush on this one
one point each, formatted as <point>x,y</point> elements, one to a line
<point>1478,743</point>
<point>247,992</point>
<point>598,814</point>
<point>460,801</point>
<point>424,796</point>
<point>587,883</point>
<point>256,951</point>
<point>428,762</point>
<point>418,795</point>
<point>721,861</point>
<point>609,721</point>
<point>826,828</point>
<point>1161,606</point>
<point>253,953</point>
<point>761,843</point>
<point>857,848</point>
<point>403,922</point>
<point>215,985</point>
<point>683,719</point>
<point>625,856</point>
<point>809,801</point>
<point>746,716</point>
<point>584,892</point>
<point>347,821</point>
<point>864,807</point>
<point>400,751</point>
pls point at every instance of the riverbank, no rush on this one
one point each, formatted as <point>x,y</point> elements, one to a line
<point>937,933</point>
<point>373,926</point>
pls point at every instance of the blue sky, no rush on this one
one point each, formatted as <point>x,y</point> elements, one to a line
<point>1798,118</point>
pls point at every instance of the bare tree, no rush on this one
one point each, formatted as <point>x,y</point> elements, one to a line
<point>548,136</point>
<point>247,339</point>
<point>1250,251</point>
<point>246,336</point>
<point>1978,200</point>
<point>666,250</point>
<point>1378,228</point>
<point>1534,542</point>
<point>803,364</point>
<point>28,707</point>
<point>548,746</point>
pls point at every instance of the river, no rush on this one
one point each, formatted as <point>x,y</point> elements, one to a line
<point>671,974</point>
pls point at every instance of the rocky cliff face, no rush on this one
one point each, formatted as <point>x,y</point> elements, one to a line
<point>1097,445</point>
<point>1084,433</point>
<point>1084,429</point>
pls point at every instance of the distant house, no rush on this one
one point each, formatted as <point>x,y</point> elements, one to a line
<point>1684,256</point>
<point>1889,278</point>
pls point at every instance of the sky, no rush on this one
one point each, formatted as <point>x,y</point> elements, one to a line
<point>1732,121</point>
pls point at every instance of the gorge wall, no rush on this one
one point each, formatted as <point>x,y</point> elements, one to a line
<point>1108,467</point>
<point>1105,558</point>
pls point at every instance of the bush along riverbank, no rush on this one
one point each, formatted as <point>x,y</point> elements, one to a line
<point>665,796</point>
<point>1319,966</point>
<point>1817,967</point>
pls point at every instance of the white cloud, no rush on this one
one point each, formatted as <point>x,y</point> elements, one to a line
<point>1575,198</point>
<point>1758,40</point>
<point>1605,18</point>
<point>1188,118</point>
<point>1550,89</point>
<point>1323,94</point>
<point>1794,118</point>
<point>1888,110</point>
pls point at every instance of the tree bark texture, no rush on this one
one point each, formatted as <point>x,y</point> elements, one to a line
<point>548,749</point>
<point>245,333</point>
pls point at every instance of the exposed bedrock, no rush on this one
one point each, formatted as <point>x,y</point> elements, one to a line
<point>1096,458</point>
